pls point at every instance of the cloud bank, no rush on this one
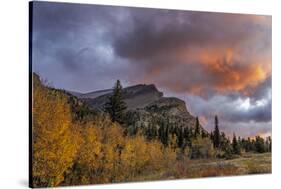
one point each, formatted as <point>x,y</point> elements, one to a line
<point>218,63</point>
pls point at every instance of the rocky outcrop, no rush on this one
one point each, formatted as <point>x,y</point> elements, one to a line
<point>146,106</point>
<point>165,111</point>
<point>136,97</point>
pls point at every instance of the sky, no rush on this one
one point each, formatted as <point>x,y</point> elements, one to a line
<point>218,63</point>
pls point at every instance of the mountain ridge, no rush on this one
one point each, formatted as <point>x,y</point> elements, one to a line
<point>146,105</point>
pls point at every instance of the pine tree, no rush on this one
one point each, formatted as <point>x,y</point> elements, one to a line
<point>116,106</point>
<point>216,136</point>
<point>197,128</point>
<point>212,135</point>
<point>204,134</point>
<point>240,142</point>
<point>248,146</point>
<point>163,134</point>
<point>259,144</point>
<point>180,137</point>
<point>187,136</point>
<point>235,145</point>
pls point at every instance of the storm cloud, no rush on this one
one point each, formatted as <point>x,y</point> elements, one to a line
<point>220,64</point>
<point>171,43</point>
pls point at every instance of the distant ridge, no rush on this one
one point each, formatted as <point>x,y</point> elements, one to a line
<point>146,105</point>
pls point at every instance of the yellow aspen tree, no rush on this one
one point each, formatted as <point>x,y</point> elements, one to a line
<point>90,154</point>
<point>54,143</point>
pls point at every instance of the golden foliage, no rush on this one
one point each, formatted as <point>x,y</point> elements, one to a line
<point>55,143</point>
<point>134,156</point>
<point>67,152</point>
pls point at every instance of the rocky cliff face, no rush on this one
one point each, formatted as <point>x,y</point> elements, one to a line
<point>146,107</point>
<point>136,97</point>
<point>165,111</point>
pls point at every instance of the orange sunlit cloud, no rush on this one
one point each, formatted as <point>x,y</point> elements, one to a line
<point>232,75</point>
<point>221,69</point>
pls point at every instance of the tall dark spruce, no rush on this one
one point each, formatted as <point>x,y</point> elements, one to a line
<point>116,105</point>
<point>197,128</point>
<point>216,137</point>
<point>235,145</point>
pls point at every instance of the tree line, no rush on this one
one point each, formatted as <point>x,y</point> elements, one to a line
<point>187,136</point>
<point>239,145</point>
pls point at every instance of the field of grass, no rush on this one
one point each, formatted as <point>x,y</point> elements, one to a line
<point>248,163</point>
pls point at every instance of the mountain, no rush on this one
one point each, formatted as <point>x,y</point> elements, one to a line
<point>146,106</point>
<point>137,96</point>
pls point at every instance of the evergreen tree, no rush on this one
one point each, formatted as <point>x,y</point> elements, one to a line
<point>204,134</point>
<point>180,137</point>
<point>187,136</point>
<point>216,136</point>
<point>240,142</point>
<point>212,135</point>
<point>248,146</point>
<point>235,145</point>
<point>259,144</point>
<point>197,128</point>
<point>116,106</point>
<point>224,142</point>
<point>163,134</point>
<point>151,132</point>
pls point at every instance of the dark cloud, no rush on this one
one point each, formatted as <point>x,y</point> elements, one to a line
<point>147,38</point>
<point>215,62</point>
<point>72,45</point>
<point>158,31</point>
<point>233,57</point>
